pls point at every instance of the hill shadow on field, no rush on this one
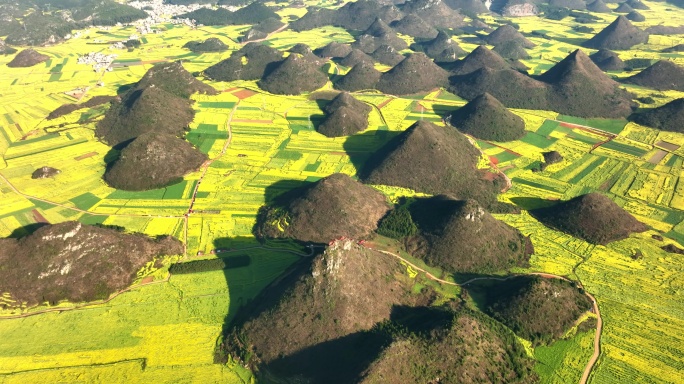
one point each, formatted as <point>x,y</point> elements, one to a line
<point>26,230</point>
<point>369,147</point>
<point>246,298</point>
<point>530,203</point>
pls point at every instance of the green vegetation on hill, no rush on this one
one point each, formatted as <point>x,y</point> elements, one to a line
<point>153,160</point>
<point>333,207</point>
<point>593,217</point>
<point>460,236</point>
<point>75,262</point>
<point>397,224</point>
<point>527,304</point>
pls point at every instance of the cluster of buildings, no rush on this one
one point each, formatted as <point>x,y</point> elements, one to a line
<point>98,60</point>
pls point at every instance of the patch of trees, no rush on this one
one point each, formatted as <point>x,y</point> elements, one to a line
<point>219,264</point>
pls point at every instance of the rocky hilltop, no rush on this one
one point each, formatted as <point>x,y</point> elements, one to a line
<point>75,262</point>
<point>333,207</point>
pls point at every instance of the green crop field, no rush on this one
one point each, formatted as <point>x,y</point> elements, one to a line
<point>165,328</point>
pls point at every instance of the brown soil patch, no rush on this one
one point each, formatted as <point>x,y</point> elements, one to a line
<point>668,146</point>
<point>85,156</point>
<point>38,217</point>
<point>657,157</point>
<point>243,94</point>
<point>147,280</point>
<point>384,103</point>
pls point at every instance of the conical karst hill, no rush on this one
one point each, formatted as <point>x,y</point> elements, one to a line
<point>27,58</point>
<point>461,236</point>
<point>251,62</point>
<point>636,16</point>
<point>333,207</point>
<point>523,304</point>
<point>593,217</point>
<point>334,50</point>
<point>293,76</point>
<point>211,44</point>
<point>619,35</point>
<point>511,50</point>
<point>598,6</point>
<point>153,160</point>
<point>431,159</point>
<point>434,12</point>
<point>624,8</point>
<point>344,116</point>
<point>442,48</point>
<point>607,60</point>
<point>158,102</point>
<point>416,73</point>
<point>307,53</point>
<point>669,117</point>
<point>361,77</point>
<point>387,55</point>
<point>360,15</point>
<point>480,57</point>
<point>486,118</point>
<point>662,75</point>
<point>444,351</point>
<point>637,4</point>
<point>506,33</point>
<point>379,33</point>
<point>75,262</point>
<point>580,88</point>
<point>414,26</point>
<point>173,78</point>
<point>356,56</point>
<point>320,323</point>
<point>510,87</point>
